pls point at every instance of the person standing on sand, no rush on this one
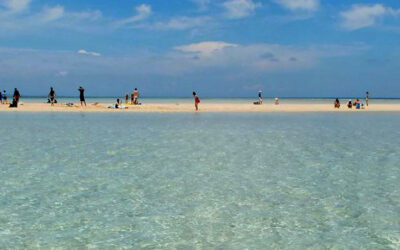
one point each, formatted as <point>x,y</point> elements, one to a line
<point>132,97</point>
<point>82,95</point>
<point>1,97</point>
<point>260,99</point>
<point>4,97</point>
<point>16,95</point>
<point>367,98</point>
<point>196,101</point>
<point>136,96</point>
<point>126,98</point>
<point>52,96</point>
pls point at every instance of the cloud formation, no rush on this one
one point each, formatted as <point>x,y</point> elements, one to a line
<point>361,15</point>
<point>236,9</point>
<point>16,17</point>
<point>85,52</point>
<point>299,5</point>
<point>202,4</point>
<point>50,14</point>
<point>142,12</point>
<point>177,23</point>
<point>16,5</point>
<point>205,48</point>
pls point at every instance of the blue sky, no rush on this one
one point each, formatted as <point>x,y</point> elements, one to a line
<point>221,48</point>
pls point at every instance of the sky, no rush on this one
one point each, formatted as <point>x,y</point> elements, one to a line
<point>219,48</point>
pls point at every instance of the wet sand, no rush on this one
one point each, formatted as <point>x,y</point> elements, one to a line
<point>203,107</point>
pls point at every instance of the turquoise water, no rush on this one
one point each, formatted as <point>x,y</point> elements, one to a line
<point>200,181</point>
<point>111,100</point>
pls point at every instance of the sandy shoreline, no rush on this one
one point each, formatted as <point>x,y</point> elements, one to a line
<point>204,107</point>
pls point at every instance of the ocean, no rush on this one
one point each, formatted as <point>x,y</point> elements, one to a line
<point>200,180</point>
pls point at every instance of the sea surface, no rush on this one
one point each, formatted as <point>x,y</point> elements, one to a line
<point>111,100</point>
<point>200,181</point>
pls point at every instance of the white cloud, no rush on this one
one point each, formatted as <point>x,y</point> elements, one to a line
<point>16,5</point>
<point>202,4</point>
<point>299,5</point>
<point>205,48</point>
<point>52,13</point>
<point>179,23</point>
<point>361,16</point>
<point>49,17</point>
<point>240,8</point>
<point>224,62</point>
<point>62,73</point>
<point>85,52</point>
<point>142,12</point>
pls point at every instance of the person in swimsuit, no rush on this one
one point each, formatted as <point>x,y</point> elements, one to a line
<point>337,103</point>
<point>367,98</point>
<point>136,96</point>
<point>82,96</point>
<point>118,104</point>
<point>196,101</point>
<point>350,104</point>
<point>132,97</point>
<point>52,96</point>
<point>1,97</point>
<point>260,99</point>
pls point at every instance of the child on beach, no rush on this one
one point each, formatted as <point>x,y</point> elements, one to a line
<point>196,101</point>
<point>126,98</point>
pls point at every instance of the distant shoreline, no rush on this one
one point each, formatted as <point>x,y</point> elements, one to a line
<point>207,97</point>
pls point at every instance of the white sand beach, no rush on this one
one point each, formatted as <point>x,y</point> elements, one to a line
<point>204,107</point>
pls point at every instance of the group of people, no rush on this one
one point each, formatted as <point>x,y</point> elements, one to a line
<point>15,100</point>
<point>260,99</point>
<point>52,96</point>
<point>356,103</point>
<point>134,97</point>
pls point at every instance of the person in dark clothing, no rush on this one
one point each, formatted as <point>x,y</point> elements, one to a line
<point>16,96</point>
<point>337,103</point>
<point>82,95</point>
<point>52,96</point>
<point>4,97</point>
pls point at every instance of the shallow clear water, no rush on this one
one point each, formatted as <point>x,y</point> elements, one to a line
<point>111,100</point>
<point>186,181</point>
